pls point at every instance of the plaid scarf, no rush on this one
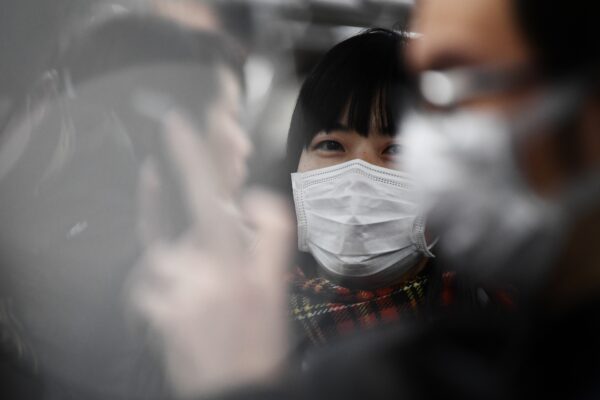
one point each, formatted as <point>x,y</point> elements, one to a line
<point>322,310</point>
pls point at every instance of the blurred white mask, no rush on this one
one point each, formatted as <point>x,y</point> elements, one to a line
<point>488,219</point>
<point>358,220</point>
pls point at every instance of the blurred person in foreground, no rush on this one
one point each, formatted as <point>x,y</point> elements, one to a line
<point>506,141</point>
<point>89,188</point>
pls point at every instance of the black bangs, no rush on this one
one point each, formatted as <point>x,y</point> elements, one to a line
<point>356,85</point>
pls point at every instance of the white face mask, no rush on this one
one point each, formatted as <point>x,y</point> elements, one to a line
<point>359,220</point>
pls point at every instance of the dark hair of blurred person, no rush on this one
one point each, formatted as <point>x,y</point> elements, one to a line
<point>563,43</point>
<point>563,38</point>
<point>69,171</point>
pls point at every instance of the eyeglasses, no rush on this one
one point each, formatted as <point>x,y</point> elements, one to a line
<point>449,88</point>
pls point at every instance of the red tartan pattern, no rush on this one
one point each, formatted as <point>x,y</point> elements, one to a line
<point>324,311</point>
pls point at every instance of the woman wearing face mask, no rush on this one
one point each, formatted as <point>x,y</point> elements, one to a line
<point>364,259</point>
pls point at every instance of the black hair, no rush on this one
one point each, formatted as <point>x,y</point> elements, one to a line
<point>564,36</point>
<point>360,75</point>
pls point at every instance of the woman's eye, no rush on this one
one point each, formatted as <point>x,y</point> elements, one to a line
<point>393,150</point>
<point>329,145</point>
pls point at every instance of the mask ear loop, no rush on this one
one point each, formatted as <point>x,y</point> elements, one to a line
<point>298,193</point>
<point>419,237</point>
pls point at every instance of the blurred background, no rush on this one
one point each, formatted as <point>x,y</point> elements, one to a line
<point>282,41</point>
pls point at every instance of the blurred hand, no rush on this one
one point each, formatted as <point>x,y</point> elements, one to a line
<point>216,296</point>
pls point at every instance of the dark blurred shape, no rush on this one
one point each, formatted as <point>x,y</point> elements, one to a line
<point>564,36</point>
